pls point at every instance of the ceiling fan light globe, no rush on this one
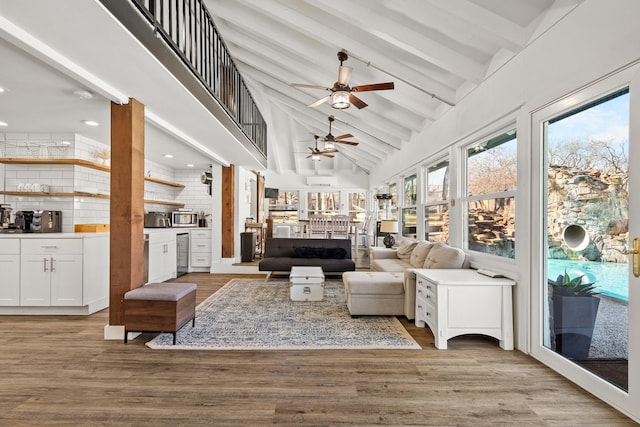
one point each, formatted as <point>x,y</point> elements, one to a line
<point>340,100</point>
<point>329,145</point>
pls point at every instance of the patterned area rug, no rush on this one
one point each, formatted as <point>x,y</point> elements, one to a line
<point>248,314</point>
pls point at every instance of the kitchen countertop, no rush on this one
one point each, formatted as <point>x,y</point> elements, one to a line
<point>51,235</point>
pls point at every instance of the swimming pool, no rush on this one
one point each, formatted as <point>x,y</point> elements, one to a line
<point>611,278</point>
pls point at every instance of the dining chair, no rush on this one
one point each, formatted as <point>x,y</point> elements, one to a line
<point>340,227</point>
<point>318,226</point>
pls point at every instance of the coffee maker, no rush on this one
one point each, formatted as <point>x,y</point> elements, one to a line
<point>39,221</point>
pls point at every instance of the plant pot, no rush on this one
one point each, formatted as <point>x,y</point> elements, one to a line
<point>573,322</point>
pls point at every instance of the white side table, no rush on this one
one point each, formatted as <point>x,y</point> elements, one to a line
<point>306,283</point>
<point>459,302</point>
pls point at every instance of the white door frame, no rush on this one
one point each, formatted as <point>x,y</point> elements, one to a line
<point>628,403</point>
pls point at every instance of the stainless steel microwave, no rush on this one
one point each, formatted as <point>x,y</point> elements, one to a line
<point>184,219</point>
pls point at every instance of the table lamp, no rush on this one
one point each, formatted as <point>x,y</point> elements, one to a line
<point>391,227</point>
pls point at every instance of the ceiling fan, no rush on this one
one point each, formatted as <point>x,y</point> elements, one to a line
<point>316,153</point>
<point>341,96</point>
<point>330,141</point>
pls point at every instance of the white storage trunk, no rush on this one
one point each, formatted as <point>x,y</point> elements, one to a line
<point>307,284</point>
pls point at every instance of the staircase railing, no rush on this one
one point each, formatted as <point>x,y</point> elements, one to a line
<point>188,28</point>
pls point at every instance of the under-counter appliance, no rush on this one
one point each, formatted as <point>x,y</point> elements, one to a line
<point>184,218</point>
<point>39,221</point>
<point>182,253</point>
<point>157,220</point>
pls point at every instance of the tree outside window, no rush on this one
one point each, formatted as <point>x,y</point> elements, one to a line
<point>323,203</point>
<point>357,206</point>
<point>436,209</point>
<point>491,185</point>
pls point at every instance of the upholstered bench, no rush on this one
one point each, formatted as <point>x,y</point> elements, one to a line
<point>159,307</point>
<point>374,293</point>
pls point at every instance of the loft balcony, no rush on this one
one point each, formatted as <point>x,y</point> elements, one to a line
<point>182,36</point>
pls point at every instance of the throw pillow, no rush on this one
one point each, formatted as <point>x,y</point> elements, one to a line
<point>304,252</point>
<point>419,254</point>
<point>442,255</point>
<point>339,253</point>
<point>405,247</point>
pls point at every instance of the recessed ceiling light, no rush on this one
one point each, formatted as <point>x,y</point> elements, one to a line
<point>1,89</point>
<point>190,165</point>
<point>169,156</point>
<point>3,124</point>
<point>90,122</point>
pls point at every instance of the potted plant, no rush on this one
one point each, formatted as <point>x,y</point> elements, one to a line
<point>574,307</point>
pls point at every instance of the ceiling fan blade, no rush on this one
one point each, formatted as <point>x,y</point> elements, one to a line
<point>357,101</point>
<point>375,86</point>
<point>344,74</point>
<point>348,142</point>
<point>308,156</point>
<point>319,101</point>
<point>346,135</point>
<point>326,155</point>
<point>309,86</point>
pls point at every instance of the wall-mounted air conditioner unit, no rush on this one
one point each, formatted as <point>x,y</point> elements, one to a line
<point>322,181</point>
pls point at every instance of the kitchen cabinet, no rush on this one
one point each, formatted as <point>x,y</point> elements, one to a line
<point>200,250</point>
<point>162,256</point>
<point>51,272</point>
<point>10,272</point>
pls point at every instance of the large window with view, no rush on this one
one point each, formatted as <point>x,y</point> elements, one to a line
<point>436,208</point>
<point>284,209</point>
<point>490,201</point>
<point>323,203</point>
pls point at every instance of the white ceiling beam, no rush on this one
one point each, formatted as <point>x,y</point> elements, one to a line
<point>382,26</point>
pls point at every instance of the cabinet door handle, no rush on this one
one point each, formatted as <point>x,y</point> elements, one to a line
<point>49,247</point>
<point>52,267</point>
<point>45,265</point>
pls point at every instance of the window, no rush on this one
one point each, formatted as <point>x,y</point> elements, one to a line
<point>393,205</point>
<point>436,209</point>
<point>323,203</point>
<point>410,194</point>
<point>409,222</point>
<point>285,207</point>
<point>357,206</point>
<point>491,185</point>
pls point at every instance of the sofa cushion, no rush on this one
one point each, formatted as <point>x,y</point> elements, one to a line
<point>419,254</point>
<point>442,255</point>
<point>390,265</point>
<point>405,247</point>
<point>324,253</point>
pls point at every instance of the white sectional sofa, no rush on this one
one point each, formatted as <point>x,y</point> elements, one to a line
<point>407,256</point>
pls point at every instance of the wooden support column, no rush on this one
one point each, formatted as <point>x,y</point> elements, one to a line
<point>228,211</point>
<point>127,205</point>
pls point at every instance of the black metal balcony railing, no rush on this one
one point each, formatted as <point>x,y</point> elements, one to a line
<point>188,28</point>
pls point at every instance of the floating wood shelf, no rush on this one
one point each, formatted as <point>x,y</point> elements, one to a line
<point>81,194</point>
<point>54,194</point>
<point>78,162</point>
<point>164,202</point>
<point>162,181</point>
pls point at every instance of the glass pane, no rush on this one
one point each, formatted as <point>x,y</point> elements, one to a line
<point>409,222</point>
<point>323,203</point>
<point>491,165</point>
<point>436,223</point>
<point>357,206</point>
<point>492,226</point>
<point>286,201</point>
<point>410,194</point>
<point>587,219</point>
<point>438,182</point>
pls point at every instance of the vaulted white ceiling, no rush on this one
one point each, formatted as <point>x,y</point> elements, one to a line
<point>435,52</point>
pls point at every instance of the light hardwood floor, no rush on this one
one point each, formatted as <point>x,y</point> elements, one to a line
<point>58,370</point>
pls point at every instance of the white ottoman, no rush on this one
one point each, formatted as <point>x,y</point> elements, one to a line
<point>374,293</point>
